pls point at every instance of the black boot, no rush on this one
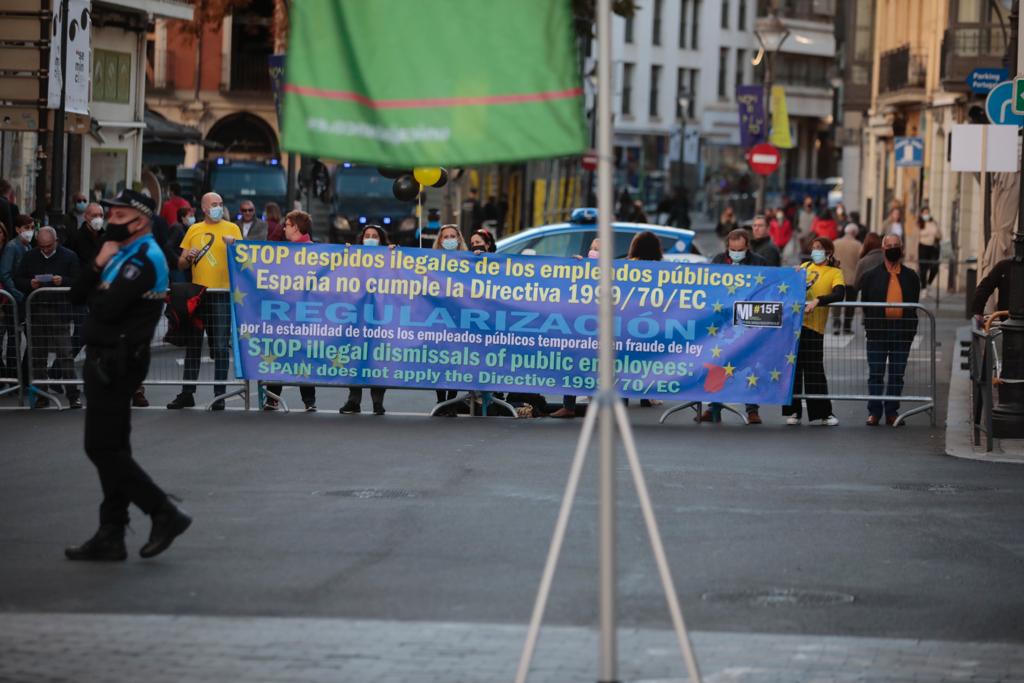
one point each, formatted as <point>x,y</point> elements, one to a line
<point>169,522</point>
<point>106,545</point>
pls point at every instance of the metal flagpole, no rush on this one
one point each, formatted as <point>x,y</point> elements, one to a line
<point>606,346</point>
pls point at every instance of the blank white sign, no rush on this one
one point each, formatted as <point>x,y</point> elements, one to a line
<point>1000,145</point>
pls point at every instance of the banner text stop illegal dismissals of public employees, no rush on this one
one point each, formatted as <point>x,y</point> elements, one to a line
<point>423,318</point>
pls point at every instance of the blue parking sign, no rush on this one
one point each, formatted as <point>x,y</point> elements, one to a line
<point>909,152</point>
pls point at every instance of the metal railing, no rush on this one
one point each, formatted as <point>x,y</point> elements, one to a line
<point>10,347</point>
<point>49,330</point>
<point>900,68</point>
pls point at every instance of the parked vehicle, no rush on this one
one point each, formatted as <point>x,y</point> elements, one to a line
<point>258,181</point>
<point>361,196</point>
<point>574,238</point>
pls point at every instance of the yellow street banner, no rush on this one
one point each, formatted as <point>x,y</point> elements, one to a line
<point>780,136</point>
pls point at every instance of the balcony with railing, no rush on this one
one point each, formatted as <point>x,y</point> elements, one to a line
<point>967,47</point>
<point>901,70</point>
<point>806,10</point>
<point>250,72</point>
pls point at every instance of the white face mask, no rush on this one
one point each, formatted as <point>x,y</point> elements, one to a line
<point>926,216</point>
<point>737,256</point>
<point>96,223</point>
<point>371,242</point>
<point>451,244</point>
<point>26,235</point>
<point>593,253</point>
<point>215,212</point>
<point>190,221</point>
<point>818,256</point>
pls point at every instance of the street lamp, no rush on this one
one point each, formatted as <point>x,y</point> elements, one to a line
<point>771,33</point>
<point>684,115</point>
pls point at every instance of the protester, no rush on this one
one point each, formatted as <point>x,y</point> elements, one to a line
<point>8,324</point>
<point>88,237</point>
<point>13,252</point>
<point>73,221</point>
<point>174,203</point>
<point>272,215</point>
<point>726,222</point>
<point>176,233</point>
<point>124,286</point>
<point>825,286</point>
<point>205,252</point>
<point>997,279</point>
<point>252,227</point>
<point>762,243</point>
<point>862,229</point>
<point>824,225</point>
<point>848,254</point>
<point>780,229</point>
<point>889,331</point>
<point>50,265</point>
<point>738,253</point>
<point>929,239</point>
<point>449,238</point>
<point>805,218</point>
<point>645,247</point>
<point>297,228</point>
<point>371,236</point>
<point>568,407</point>
<point>870,257</point>
<point>482,241</point>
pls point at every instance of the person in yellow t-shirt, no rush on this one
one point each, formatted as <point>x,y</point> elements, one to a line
<point>825,285</point>
<point>204,250</point>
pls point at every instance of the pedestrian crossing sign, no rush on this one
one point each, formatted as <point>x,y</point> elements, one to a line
<point>909,152</point>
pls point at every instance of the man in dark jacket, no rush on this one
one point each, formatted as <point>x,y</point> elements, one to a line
<point>737,253</point>
<point>762,244</point>
<point>50,265</point>
<point>997,279</point>
<point>124,285</point>
<point>889,330</point>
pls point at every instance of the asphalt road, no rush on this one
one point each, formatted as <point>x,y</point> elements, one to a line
<point>842,531</point>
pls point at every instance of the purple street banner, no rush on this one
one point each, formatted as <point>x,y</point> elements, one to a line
<point>434,319</point>
<point>750,100</point>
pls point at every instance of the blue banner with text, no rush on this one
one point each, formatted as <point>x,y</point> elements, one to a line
<point>433,319</point>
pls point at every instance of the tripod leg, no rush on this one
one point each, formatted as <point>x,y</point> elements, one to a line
<point>656,546</point>
<point>556,545</point>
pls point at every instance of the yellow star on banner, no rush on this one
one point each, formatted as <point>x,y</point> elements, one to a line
<point>716,307</point>
<point>246,263</point>
<point>751,380</point>
<point>729,369</point>
<point>239,296</point>
<point>759,280</point>
<point>731,289</point>
<point>775,375</point>
<point>716,351</point>
<point>244,334</point>
<point>790,358</point>
<point>304,372</point>
<point>712,330</point>
<point>337,362</point>
<point>783,288</point>
<point>269,358</point>
<point>796,307</point>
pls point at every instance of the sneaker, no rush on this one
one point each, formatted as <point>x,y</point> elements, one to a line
<point>378,408</point>
<point>75,403</point>
<point>830,421</point>
<point>349,408</point>
<point>217,405</point>
<point>793,420</point>
<point>271,404</point>
<point>182,400</point>
<point>753,418</point>
<point>310,407</point>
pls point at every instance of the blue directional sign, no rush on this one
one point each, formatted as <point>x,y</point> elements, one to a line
<point>983,81</point>
<point>999,106</point>
<point>909,152</point>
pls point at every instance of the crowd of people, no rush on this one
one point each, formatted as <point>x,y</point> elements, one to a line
<point>841,260</point>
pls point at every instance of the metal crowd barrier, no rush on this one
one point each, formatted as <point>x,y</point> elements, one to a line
<point>847,367</point>
<point>49,329</point>
<point>984,372</point>
<point>10,347</point>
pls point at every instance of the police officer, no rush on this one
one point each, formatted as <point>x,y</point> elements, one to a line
<point>124,286</point>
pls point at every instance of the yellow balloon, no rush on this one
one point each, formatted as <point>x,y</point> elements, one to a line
<point>426,175</point>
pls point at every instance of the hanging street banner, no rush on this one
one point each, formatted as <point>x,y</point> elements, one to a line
<point>456,82</point>
<point>76,80</point>
<point>750,102</point>
<point>434,319</point>
<point>780,135</point>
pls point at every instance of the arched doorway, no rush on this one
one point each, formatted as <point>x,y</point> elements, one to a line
<point>244,136</point>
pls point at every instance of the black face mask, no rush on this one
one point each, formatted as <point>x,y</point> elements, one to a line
<point>893,254</point>
<point>118,232</point>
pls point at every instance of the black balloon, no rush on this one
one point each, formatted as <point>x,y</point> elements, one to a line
<point>405,188</point>
<point>443,180</point>
<point>393,172</point>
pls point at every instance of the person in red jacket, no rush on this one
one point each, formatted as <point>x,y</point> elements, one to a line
<point>780,229</point>
<point>824,225</point>
<point>169,211</point>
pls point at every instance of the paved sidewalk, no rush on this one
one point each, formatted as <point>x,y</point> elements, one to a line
<point>155,648</point>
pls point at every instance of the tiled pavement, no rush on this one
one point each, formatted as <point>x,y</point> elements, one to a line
<point>93,648</point>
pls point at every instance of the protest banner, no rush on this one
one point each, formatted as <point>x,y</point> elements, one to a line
<point>423,318</point>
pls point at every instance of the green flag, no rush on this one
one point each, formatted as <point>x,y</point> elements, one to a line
<point>410,82</point>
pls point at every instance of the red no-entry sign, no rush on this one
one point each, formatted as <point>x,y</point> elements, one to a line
<point>763,159</point>
<point>589,160</point>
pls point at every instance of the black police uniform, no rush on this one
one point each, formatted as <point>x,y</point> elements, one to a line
<point>125,302</point>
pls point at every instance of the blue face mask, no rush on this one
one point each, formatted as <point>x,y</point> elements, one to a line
<point>818,256</point>
<point>216,212</point>
<point>451,244</point>
<point>80,206</point>
<point>737,256</point>
<point>371,242</point>
<point>189,221</point>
